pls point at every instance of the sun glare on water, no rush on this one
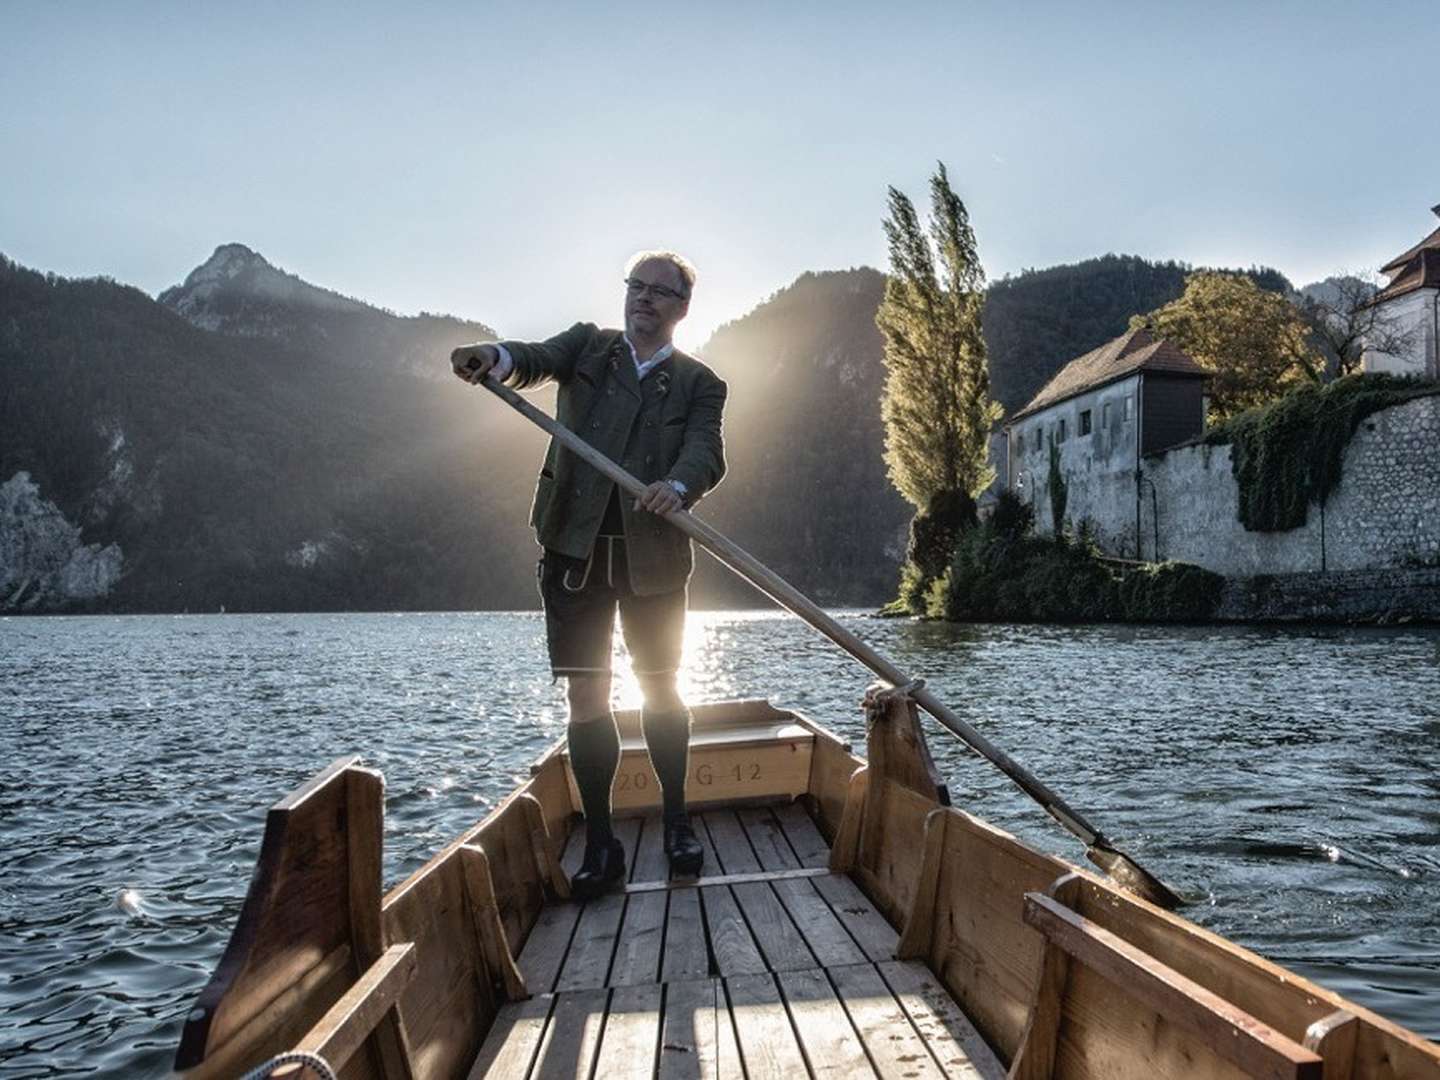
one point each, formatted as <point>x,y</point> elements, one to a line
<point>704,675</point>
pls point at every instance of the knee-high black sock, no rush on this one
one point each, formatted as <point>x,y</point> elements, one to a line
<point>667,737</point>
<point>594,757</point>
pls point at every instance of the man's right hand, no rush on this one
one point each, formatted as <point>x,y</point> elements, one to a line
<point>473,362</point>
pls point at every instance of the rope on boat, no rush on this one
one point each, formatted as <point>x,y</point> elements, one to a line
<point>878,697</point>
<point>311,1061</point>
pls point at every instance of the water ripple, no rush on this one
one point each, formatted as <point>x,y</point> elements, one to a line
<point>1284,778</point>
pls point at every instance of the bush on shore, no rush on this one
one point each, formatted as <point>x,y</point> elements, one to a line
<point>1001,571</point>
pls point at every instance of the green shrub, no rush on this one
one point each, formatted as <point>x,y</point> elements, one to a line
<point>997,576</point>
<point>1289,453</point>
<point>1059,491</point>
<point>1013,516</point>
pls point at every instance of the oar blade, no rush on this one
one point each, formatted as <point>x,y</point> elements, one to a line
<point>1133,877</point>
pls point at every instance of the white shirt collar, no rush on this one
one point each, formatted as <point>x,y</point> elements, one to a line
<point>643,368</point>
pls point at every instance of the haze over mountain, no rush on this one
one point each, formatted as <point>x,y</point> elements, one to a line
<point>254,441</point>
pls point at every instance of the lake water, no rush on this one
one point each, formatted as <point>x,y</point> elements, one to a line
<point>1285,780</point>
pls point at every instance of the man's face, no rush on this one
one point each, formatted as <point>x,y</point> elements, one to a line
<point>650,314</point>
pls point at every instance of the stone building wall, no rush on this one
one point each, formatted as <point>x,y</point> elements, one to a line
<point>1384,513</point>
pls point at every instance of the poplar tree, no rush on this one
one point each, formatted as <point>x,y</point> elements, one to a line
<point>936,403</point>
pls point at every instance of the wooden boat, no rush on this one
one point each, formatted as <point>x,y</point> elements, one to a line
<point>851,923</point>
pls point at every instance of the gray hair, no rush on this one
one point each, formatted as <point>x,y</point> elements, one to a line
<point>683,266</point>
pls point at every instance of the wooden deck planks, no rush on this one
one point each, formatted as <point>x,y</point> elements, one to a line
<point>632,1033</point>
<point>649,862</point>
<point>780,940</point>
<point>849,1020</point>
<point>767,839</point>
<point>572,1036</point>
<point>875,936</point>
<point>514,1037</point>
<point>823,932</point>
<point>544,952</point>
<point>686,953</point>
<point>731,847</point>
<point>832,1049</point>
<point>698,1037</point>
<point>762,1026</point>
<point>637,952</point>
<point>958,1048</point>
<point>804,836</point>
<point>789,973</point>
<point>733,946</point>
<point>895,1048</point>
<point>587,964</point>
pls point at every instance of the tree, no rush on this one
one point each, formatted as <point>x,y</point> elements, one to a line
<point>1344,324</point>
<point>1253,341</point>
<point>936,403</point>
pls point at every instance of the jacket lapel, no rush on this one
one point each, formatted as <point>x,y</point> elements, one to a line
<point>622,368</point>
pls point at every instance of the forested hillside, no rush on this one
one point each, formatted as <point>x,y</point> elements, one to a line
<point>1039,320</point>
<point>807,490</point>
<point>256,442</point>
<point>248,471</point>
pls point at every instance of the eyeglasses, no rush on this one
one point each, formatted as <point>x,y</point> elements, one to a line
<point>636,287</point>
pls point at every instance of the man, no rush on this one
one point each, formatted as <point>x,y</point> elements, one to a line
<point>657,412</point>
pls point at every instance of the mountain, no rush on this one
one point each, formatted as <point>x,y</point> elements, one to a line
<point>253,441</point>
<point>151,464</point>
<point>237,292</point>
<point>807,491</point>
<point>256,442</point>
<point>1038,321</point>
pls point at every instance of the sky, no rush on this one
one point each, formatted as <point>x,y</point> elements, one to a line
<point>500,162</point>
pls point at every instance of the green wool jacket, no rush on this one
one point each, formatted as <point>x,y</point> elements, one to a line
<point>666,428</point>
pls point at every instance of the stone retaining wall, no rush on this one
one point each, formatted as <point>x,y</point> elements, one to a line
<point>1385,512</point>
<point>1384,597</point>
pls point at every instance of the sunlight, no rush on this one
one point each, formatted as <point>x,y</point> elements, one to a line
<point>702,672</point>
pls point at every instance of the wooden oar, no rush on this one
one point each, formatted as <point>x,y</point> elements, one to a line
<point>1123,869</point>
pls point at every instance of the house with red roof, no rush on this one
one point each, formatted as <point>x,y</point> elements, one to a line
<point>1104,411</point>
<point>1410,305</point>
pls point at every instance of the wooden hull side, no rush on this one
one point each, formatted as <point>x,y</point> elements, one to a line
<point>1118,988</point>
<point>468,922</point>
<point>309,927</point>
<point>1280,998</point>
<point>980,948</point>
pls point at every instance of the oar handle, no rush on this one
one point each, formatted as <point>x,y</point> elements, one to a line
<point>785,594</point>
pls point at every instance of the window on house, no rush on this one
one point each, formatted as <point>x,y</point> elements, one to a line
<point>1085,422</point>
<point>1105,415</point>
<point>1060,431</point>
<point>1129,406</point>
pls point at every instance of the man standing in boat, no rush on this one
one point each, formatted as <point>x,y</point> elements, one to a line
<point>657,412</point>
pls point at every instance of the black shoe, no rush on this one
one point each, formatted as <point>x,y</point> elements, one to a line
<point>685,853</point>
<point>602,871</point>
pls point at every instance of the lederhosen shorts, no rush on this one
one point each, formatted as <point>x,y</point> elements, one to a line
<point>581,597</point>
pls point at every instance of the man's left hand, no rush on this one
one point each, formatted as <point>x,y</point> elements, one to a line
<point>659,498</point>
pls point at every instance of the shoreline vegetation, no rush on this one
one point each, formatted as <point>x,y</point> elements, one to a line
<point>1002,571</point>
<point>1288,456</point>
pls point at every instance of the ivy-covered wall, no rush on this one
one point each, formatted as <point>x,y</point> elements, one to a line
<point>1384,513</point>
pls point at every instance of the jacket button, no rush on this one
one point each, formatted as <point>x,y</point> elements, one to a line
<point>649,423</point>
<point>649,459</point>
<point>577,491</point>
<point>595,424</point>
<point>610,390</point>
<point>657,532</point>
